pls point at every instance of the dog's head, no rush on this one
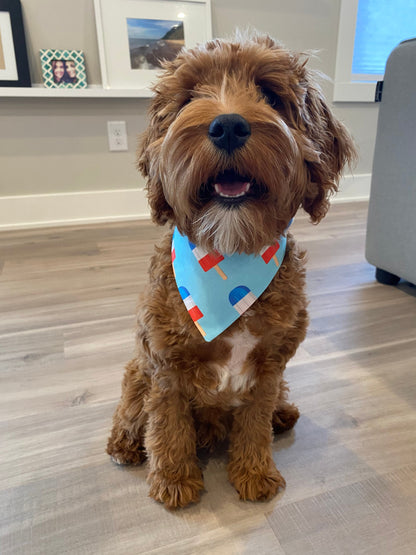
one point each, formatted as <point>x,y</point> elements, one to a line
<point>240,137</point>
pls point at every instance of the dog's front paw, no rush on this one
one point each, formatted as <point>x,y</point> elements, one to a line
<point>257,485</point>
<point>176,492</point>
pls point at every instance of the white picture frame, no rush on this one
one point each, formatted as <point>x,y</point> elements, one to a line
<point>127,54</point>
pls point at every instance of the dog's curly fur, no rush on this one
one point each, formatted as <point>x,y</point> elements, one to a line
<point>174,397</point>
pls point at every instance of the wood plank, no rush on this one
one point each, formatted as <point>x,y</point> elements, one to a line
<point>67,303</point>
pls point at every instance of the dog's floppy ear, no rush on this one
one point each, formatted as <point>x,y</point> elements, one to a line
<point>147,163</point>
<point>334,147</point>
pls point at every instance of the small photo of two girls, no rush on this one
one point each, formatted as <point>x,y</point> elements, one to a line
<point>63,68</point>
<point>64,71</point>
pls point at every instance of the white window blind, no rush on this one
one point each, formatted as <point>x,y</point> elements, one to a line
<point>381,26</point>
<point>368,31</point>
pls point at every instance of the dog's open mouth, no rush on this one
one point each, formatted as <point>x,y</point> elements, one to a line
<point>231,189</point>
<point>231,186</point>
<point>228,188</point>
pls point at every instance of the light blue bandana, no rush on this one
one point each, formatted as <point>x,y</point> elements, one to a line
<point>218,289</point>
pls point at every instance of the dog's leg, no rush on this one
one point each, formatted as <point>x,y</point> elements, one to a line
<point>126,442</point>
<point>251,468</point>
<point>285,414</point>
<point>175,478</point>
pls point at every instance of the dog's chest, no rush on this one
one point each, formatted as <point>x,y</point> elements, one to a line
<point>236,375</point>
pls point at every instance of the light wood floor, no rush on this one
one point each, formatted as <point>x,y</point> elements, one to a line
<point>67,301</point>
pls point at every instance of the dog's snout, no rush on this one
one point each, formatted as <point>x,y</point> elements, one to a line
<point>229,132</point>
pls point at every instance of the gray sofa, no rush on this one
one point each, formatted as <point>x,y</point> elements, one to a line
<point>391,227</point>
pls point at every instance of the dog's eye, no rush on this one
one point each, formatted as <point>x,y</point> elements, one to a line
<point>184,102</point>
<point>273,99</point>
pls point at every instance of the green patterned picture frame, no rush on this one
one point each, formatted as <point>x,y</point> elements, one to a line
<point>63,69</point>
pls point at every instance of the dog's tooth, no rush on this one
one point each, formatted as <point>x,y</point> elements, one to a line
<point>232,196</point>
<point>225,195</point>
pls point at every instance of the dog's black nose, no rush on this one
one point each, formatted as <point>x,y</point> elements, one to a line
<point>229,131</point>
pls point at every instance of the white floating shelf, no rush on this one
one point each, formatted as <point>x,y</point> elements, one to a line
<point>89,92</point>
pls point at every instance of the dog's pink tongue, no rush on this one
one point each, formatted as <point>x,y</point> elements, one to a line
<point>232,188</point>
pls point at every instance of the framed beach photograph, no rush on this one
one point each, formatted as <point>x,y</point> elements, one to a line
<point>135,36</point>
<point>63,69</point>
<point>14,67</point>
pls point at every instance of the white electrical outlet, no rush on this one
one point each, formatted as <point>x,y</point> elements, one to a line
<point>117,135</point>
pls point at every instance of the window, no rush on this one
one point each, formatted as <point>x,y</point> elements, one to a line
<point>368,32</point>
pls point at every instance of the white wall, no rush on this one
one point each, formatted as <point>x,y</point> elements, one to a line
<point>54,147</point>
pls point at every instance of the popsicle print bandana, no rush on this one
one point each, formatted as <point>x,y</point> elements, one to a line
<point>218,289</point>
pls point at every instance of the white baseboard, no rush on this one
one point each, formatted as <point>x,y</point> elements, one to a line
<point>46,210</point>
<point>353,188</point>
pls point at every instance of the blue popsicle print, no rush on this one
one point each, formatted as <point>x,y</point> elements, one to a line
<point>183,292</point>
<point>241,298</point>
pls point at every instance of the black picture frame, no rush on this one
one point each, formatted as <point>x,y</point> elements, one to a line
<point>19,44</point>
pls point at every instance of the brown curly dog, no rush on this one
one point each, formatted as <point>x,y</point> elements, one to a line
<point>240,138</point>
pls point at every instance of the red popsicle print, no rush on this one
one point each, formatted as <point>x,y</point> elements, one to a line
<point>192,308</point>
<point>208,260</point>
<point>270,252</point>
<point>173,259</point>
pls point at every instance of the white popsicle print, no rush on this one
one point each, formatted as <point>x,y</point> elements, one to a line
<point>241,298</point>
